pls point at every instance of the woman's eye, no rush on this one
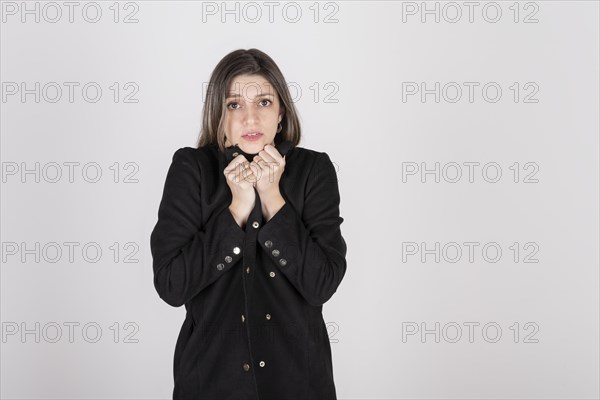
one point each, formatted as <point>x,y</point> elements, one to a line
<point>235,106</point>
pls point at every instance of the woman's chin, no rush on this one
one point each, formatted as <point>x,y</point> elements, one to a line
<point>251,147</point>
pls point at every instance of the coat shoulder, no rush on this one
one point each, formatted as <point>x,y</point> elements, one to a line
<point>304,156</point>
<point>305,152</point>
<point>202,156</point>
<point>198,152</point>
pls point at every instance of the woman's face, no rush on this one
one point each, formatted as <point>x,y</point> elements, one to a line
<point>251,105</point>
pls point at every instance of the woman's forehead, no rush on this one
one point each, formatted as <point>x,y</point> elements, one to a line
<point>241,81</point>
<point>250,86</point>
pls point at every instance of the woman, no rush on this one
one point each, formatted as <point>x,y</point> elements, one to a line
<point>249,240</point>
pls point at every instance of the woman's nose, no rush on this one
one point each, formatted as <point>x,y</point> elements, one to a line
<point>251,114</point>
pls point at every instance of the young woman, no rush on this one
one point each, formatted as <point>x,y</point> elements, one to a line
<point>248,238</point>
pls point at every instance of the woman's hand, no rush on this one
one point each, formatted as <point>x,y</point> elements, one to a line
<point>240,180</point>
<point>269,165</point>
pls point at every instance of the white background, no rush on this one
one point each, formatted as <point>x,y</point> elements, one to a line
<point>373,130</point>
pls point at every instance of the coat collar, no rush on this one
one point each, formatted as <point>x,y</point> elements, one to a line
<point>233,151</point>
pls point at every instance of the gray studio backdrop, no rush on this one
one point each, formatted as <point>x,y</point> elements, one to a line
<point>465,136</point>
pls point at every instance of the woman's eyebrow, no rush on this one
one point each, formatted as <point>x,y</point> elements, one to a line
<point>233,95</point>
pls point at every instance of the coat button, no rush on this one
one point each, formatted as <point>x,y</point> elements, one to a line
<point>247,270</point>
<point>272,274</point>
<point>236,250</point>
<point>243,319</point>
<point>275,252</point>
<point>228,259</point>
<point>268,316</point>
<point>282,261</point>
<point>255,224</point>
<point>220,266</point>
<point>262,363</point>
<point>246,367</point>
<point>268,244</point>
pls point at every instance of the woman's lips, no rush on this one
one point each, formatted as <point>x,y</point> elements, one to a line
<point>252,137</point>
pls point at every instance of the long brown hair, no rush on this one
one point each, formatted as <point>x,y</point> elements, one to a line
<point>245,62</point>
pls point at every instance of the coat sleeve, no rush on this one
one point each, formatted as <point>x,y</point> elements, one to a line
<point>310,250</point>
<point>187,255</point>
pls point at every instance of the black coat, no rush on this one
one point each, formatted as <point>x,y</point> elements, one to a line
<point>254,327</point>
